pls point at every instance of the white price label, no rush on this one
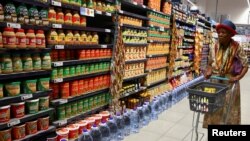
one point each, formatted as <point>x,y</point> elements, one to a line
<point>120,11</point>
<point>104,46</point>
<point>91,12</point>
<point>58,64</point>
<point>13,122</point>
<point>151,41</point>
<point>59,46</point>
<point>56,3</point>
<point>63,101</point>
<point>162,29</point>
<point>62,122</point>
<point>26,96</point>
<point>149,70</point>
<point>58,80</point>
<point>107,30</point>
<point>14,25</point>
<point>144,6</point>
<point>135,3</point>
<point>136,91</point>
<point>98,12</point>
<point>87,12</point>
<point>108,14</point>
<point>149,55</point>
<point>152,25</point>
<point>57,25</point>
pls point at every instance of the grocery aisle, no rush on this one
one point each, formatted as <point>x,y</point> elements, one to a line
<point>175,124</point>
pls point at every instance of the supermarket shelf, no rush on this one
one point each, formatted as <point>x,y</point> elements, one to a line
<point>157,55</point>
<point>185,47</point>
<point>135,61</point>
<point>100,46</point>
<point>157,83</point>
<point>15,99</point>
<point>183,22</point>
<point>64,5</point>
<point>179,10</point>
<point>23,26</point>
<point>19,75</point>
<point>60,80</point>
<point>64,122</point>
<point>81,28</point>
<point>133,15</point>
<point>58,102</point>
<point>160,28</point>
<point>160,42</point>
<point>78,62</point>
<point>34,3</point>
<point>134,77</point>
<point>97,12</point>
<point>134,92</point>
<point>26,118</point>
<point>24,50</point>
<point>158,12</point>
<point>150,70</point>
<point>39,134</point>
<point>204,26</point>
<point>134,5</point>
<point>136,44</point>
<point>135,27</point>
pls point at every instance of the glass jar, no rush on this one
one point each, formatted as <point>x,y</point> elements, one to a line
<point>83,38</point>
<point>46,61</point>
<point>77,38</point>
<point>20,39</point>
<point>40,39</point>
<point>31,39</point>
<point>61,37</point>
<point>52,15</point>
<point>52,38</point>
<point>59,16</point>
<point>17,63</point>
<point>76,18</point>
<point>68,17</point>
<point>9,38</point>
<point>37,62</point>
<point>6,64</point>
<point>27,62</point>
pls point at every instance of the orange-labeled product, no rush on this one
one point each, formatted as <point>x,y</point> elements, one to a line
<point>76,18</point>
<point>85,85</point>
<point>55,88</point>
<point>52,15</point>
<point>62,133</point>
<point>91,84</point>
<point>73,86</point>
<point>83,21</point>
<point>20,39</point>
<point>18,132</point>
<point>40,39</point>
<point>30,39</point>
<point>96,83</point>
<point>88,53</point>
<point>4,113</point>
<point>64,90</point>
<point>59,16</point>
<point>5,135</point>
<point>31,127</point>
<point>80,87</point>
<point>92,53</point>
<point>82,54</point>
<point>43,123</point>
<point>68,17</point>
<point>9,38</point>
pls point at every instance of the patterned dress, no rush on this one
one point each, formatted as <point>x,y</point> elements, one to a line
<point>222,59</point>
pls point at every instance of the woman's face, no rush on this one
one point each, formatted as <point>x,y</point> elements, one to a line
<point>224,35</point>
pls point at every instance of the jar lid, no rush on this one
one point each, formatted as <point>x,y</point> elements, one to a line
<point>40,31</point>
<point>8,29</point>
<point>30,31</point>
<point>20,30</point>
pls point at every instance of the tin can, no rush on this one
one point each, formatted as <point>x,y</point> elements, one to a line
<point>74,108</point>
<point>97,67</point>
<point>83,69</point>
<point>60,73</point>
<point>66,72</point>
<point>61,112</point>
<point>68,110</point>
<point>92,68</point>
<point>80,106</point>
<point>72,71</point>
<point>80,87</point>
<point>64,90</point>
<point>55,93</point>
<point>78,70</point>
<point>85,104</point>
<point>73,88</point>
<point>54,74</point>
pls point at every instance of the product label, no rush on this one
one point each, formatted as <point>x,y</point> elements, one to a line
<point>9,40</point>
<point>39,41</point>
<point>20,41</point>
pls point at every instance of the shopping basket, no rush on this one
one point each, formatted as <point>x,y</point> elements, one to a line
<point>204,101</point>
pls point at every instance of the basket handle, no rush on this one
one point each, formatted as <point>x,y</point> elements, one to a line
<point>219,78</point>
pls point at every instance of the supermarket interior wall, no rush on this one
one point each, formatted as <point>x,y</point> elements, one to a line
<point>237,10</point>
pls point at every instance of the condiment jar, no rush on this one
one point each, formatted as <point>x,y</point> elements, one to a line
<point>77,38</point>
<point>43,15</point>
<point>10,13</point>
<point>46,61</point>
<point>1,40</point>
<point>61,37</point>
<point>52,37</point>
<point>34,16</point>
<point>95,39</point>
<point>1,13</point>
<point>76,18</point>
<point>27,62</point>
<point>89,38</point>
<point>83,38</point>
<point>20,39</point>
<point>37,62</point>
<point>7,66</point>
<point>69,38</point>
<point>30,39</point>
<point>59,16</point>
<point>22,14</point>
<point>9,38</point>
<point>52,15</point>
<point>68,17</point>
<point>83,21</point>
<point>17,63</point>
<point>40,39</point>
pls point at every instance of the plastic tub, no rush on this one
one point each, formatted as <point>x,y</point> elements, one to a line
<point>5,135</point>
<point>73,131</point>
<point>18,110</point>
<point>43,123</point>
<point>62,133</point>
<point>32,106</point>
<point>43,103</point>
<point>82,125</point>
<point>31,127</point>
<point>4,113</point>
<point>12,89</point>
<point>18,132</point>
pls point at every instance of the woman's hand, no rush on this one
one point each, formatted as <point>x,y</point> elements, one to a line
<point>208,72</point>
<point>234,79</point>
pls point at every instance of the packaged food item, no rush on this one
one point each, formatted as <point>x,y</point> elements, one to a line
<point>18,110</point>
<point>66,1</point>
<point>34,16</point>
<point>7,65</point>
<point>4,114</point>
<point>18,132</point>
<point>77,38</point>
<point>66,72</point>
<point>43,103</point>
<point>43,15</point>
<point>40,39</point>
<point>95,39</point>
<point>59,16</point>
<point>1,40</point>
<point>68,110</point>
<point>31,127</point>
<point>43,84</point>
<point>37,62</point>
<point>1,91</point>
<point>12,89</point>
<point>64,90</point>
<point>43,123</point>
<point>27,62</point>
<point>10,13</point>
<point>80,106</point>
<point>73,88</point>
<point>72,71</point>
<point>69,38</point>
<point>89,38</point>
<point>61,37</point>
<point>5,135</point>
<point>73,131</point>
<point>31,39</point>
<point>20,39</point>
<point>63,133</point>
<point>55,88</point>
<point>1,13</point>
<point>52,38</point>
<point>82,125</point>
<point>83,38</point>
<point>61,112</point>
<point>52,15</point>
<point>83,21</point>
<point>76,18</point>
<point>68,17</point>
<point>46,61</point>
<point>29,86</point>
<point>22,14</point>
<point>9,38</point>
<point>32,106</point>
<point>90,121</point>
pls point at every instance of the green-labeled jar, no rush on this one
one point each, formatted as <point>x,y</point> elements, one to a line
<point>91,104</point>
<point>80,106</point>
<point>68,110</point>
<point>60,72</point>
<point>85,104</point>
<point>99,100</point>
<point>74,108</point>
<point>29,86</point>
<point>46,61</point>
<point>32,106</point>
<point>37,62</point>
<point>72,71</point>
<point>7,64</point>
<point>17,63</point>
<point>92,68</point>
<point>61,114</point>
<point>43,103</point>
<point>54,73</point>
<point>27,62</point>
<point>95,104</point>
<point>43,84</point>
<point>12,89</point>
<point>96,67</point>
<point>66,72</point>
<point>78,70</point>
<point>100,66</point>
<point>83,69</point>
<point>103,65</point>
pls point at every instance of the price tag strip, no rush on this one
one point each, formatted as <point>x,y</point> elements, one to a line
<point>14,25</point>
<point>57,26</point>
<point>58,64</point>
<point>26,96</point>
<point>59,46</point>
<point>104,46</point>
<point>108,14</point>
<point>63,101</point>
<point>13,122</point>
<point>107,30</point>
<point>62,122</point>
<point>58,80</point>
<point>87,12</point>
<point>98,12</point>
<point>56,3</point>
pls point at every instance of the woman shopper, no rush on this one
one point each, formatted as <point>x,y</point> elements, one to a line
<point>224,60</point>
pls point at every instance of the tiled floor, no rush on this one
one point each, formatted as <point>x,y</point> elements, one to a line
<point>175,124</point>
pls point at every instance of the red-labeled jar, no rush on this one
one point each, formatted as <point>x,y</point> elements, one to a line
<point>73,86</point>
<point>62,133</point>
<point>9,38</point>
<point>97,53</point>
<point>20,39</point>
<point>55,94</point>
<point>88,53</point>
<point>64,90</point>
<point>62,55</point>
<point>82,54</point>
<point>80,87</point>
<point>40,39</point>
<point>30,39</point>
<point>18,110</point>
<point>73,131</point>
<point>18,132</point>
<point>54,55</point>
<point>43,123</point>
<point>31,127</point>
<point>85,85</point>
<point>4,113</point>
<point>5,135</point>
<point>82,125</point>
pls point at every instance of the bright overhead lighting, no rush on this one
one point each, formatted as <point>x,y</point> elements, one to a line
<point>195,4</point>
<point>248,3</point>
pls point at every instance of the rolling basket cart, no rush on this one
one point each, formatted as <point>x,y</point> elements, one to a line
<point>207,97</point>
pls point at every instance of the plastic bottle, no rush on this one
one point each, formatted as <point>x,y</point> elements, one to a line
<point>120,125</point>
<point>135,121</point>
<point>155,109</point>
<point>96,133</point>
<point>141,116</point>
<point>113,129</point>
<point>127,123</point>
<point>105,131</point>
<point>146,114</point>
<point>85,136</point>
